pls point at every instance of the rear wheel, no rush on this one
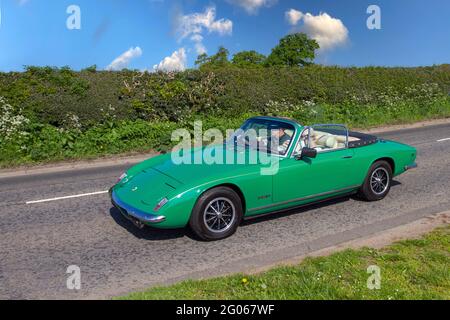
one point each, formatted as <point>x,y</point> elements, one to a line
<point>217,214</point>
<point>378,182</point>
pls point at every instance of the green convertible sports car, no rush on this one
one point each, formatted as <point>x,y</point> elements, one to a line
<point>269,165</point>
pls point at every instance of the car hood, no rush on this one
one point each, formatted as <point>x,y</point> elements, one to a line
<point>159,177</point>
<point>196,171</point>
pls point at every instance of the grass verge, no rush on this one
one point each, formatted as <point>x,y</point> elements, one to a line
<point>410,269</point>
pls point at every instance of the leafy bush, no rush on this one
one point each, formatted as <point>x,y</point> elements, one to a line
<point>50,114</point>
<point>11,120</point>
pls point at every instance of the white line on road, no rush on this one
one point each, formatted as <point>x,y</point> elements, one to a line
<point>67,197</point>
<point>103,192</point>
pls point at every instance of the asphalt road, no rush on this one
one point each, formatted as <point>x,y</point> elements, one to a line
<point>39,241</point>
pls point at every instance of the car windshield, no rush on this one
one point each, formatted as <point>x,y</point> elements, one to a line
<point>266,135</point>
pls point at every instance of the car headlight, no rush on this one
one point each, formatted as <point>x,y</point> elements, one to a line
<point>122,177</point>
<point>160,204</point>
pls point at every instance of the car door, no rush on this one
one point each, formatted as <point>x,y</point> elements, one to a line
<point>330,171</point>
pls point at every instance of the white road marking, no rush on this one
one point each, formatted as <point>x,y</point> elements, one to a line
<point>103,192</point>
<point>67,197</point>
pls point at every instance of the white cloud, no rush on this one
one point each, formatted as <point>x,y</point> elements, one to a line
<point>193,25</point>
<point>124,59</point>
<point>175,62</point>
<point>293,16</point>
<point>329,32</point>
<point>197,38</point>
<point>200,48</point>
<point>198,43</point>
<point>252,6</point>
<point>196,23</point>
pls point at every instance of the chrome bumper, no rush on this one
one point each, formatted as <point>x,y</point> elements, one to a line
<point>411,166</point>
<point>128,211</point>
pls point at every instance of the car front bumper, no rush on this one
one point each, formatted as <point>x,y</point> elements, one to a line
<point>411,166</point>
<point>134,214</point>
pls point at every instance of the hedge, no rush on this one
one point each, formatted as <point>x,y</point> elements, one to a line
<point>50,113</point>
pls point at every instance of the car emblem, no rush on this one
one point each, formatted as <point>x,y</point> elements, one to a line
<point>134,189</point>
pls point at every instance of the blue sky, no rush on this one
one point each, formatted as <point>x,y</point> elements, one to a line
<point>34,32</point>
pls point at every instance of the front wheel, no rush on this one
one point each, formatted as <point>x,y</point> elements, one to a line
<point>378,182</point>
<point>217,214</point>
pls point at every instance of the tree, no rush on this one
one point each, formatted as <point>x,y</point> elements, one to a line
<point>202,59</point>
<point>91,69</point>
<point>220,59</point>
<point>293,50</point>
<point>248,59</point>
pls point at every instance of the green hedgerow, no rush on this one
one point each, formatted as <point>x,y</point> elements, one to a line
<point>51,114</point>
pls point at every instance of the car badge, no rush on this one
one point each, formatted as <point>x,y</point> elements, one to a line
<point>134,189</point>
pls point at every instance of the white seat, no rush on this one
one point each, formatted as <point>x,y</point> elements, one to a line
<point>323,140</point>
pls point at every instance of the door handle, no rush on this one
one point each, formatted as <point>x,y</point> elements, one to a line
<point>347,157</point>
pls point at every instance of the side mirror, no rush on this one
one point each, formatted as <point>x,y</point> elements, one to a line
<point>307,153</point>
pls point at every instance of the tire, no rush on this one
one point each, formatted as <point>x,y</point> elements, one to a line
<point>378,182</point>
<point>217,214</point>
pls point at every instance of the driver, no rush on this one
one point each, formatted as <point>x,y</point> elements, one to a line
<point>283,139</point>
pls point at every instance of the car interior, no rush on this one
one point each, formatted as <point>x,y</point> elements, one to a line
<point>321,140</point>
<point>319,137</point>
<point>263,128</point>
<point>328,138</point>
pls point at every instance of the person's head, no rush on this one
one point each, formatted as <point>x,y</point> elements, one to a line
<point>278,132</point>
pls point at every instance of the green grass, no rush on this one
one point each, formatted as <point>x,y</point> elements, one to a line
<point>411,269</point>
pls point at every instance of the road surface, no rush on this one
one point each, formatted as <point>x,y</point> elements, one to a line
<point>39,239</point>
